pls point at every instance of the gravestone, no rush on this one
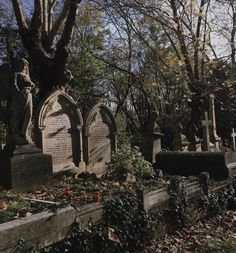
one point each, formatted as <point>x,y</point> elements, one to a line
<point>206,124</point>
<point>99,138</point>
<point>180,142</point>
<point>58,131</point>
<point>152,140</point>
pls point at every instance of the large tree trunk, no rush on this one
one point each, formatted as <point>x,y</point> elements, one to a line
<point>49,63</point>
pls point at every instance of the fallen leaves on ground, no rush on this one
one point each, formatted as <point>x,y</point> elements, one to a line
<point>217,235</point>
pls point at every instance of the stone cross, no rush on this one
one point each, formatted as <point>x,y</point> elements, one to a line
<point>2,138</point>
<point>207,123</point>
<point>233,135</point>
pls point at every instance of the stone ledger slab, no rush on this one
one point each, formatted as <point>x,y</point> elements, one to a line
<point>219,165</point>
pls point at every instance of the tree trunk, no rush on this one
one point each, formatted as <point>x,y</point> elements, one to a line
<point>49,64</point>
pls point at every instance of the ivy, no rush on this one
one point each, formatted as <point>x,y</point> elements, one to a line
<point>216,202</point>
<point>125,227</point>
<point>131,223</point>
<point>178,203</point>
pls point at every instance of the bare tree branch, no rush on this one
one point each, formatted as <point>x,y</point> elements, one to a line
<point>60,20</point>
<point>19,15</point>
<point>69,24</point>
<point>36,21</point>
<point>51,5</point>
<point>45,15</point>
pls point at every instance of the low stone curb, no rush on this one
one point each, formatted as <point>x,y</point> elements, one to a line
<point>45,228</point>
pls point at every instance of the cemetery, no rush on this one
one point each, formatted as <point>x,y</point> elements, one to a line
<point>117,127</point>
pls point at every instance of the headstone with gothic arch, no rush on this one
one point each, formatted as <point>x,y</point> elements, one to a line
<point>99,138</point>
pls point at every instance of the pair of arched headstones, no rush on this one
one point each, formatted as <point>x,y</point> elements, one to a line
<point>74,142</point>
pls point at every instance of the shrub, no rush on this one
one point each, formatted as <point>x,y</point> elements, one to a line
<point>126,160</point>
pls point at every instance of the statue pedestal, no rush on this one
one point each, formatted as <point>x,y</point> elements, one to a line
<point>25,168</point>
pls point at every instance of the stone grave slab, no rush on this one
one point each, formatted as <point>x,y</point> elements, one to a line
<point>99,138</point>
<point>58,132</point>
<point>219,165</point>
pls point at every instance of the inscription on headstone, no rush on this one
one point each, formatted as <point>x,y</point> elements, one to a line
<point>57,137</point>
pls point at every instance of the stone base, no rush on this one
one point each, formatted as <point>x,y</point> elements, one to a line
<point>24,169</point>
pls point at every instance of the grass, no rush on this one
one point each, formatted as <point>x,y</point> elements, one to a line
<point>13,207</point>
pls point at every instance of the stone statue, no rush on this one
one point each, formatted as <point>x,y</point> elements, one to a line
<point>16,91</point>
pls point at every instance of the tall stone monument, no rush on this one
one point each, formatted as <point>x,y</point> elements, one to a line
<point>214,138</point>
<point>22,165</point>
<point>58,131</point>
<point>99,138</point>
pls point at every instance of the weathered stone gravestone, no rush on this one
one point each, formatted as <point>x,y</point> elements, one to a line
<point>180,142</point>
<point>99,138</point>
<point>58,131</point>
<point>152,140</point>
